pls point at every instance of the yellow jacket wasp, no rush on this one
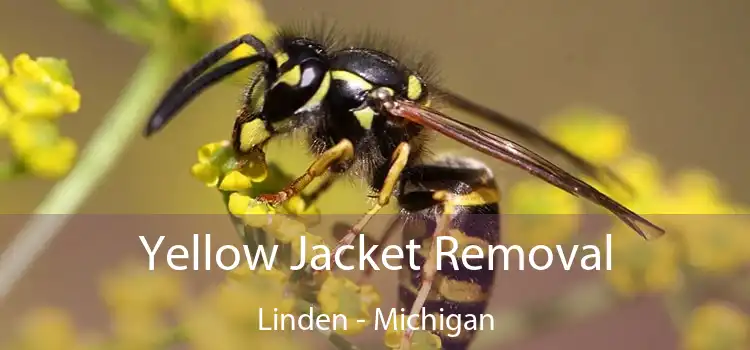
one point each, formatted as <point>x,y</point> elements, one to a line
<point>367,113</point>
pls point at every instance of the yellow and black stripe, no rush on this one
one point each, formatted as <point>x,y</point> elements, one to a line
<point>473,199</point>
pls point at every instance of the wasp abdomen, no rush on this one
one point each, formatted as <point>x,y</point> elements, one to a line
<point>462,285</point>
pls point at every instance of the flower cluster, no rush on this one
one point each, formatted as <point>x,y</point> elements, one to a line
<point>711,239</point>
<point>716,325</point>
<point>241,182</point>
<point>187,27</point>
<point>37,92</point>
<point>706,238</point>
<point>232,18</point>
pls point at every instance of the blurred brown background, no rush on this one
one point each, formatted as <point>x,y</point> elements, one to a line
<point>677,70</point>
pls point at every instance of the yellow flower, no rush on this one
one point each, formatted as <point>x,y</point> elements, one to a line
<point>697,192</point>
<point>597,136</point>
<point>205,173</point>
<point>242,17</point>
<point>420,340</point>
<point>642,266</point>
<point>55,161</point>
<point>235,181</point>
<point>311,240</point>
<point>4,69</point>
<point>240,300</point>
<point>206,330</point>
<point>339,295</point>
<point>715,325</point>
<point>199,10</point>
<point>133,288</point>
<point>715,243</point>
<point>41,148</point>
<point>540,214</point>
<point>41,88</point>
<point>286,229</point>
<point>137,330</point>
<point>642,172</point>
<point>216,161</point>
<point>714,238</point>
<point>228,317</point>
<point>253,213</point>
<point>307,214</point>
<point>48,329</point>
<point>6,118</point>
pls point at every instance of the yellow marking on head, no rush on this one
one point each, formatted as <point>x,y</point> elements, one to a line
<point>253,134</point>
<point>365,117</point>
<point>281,58</point>
<point>352,79</point>
<point>257,97</point>
<point>414,88</point>
<point>481,196</point>
<point>291,77</point>
<point>320,94</point>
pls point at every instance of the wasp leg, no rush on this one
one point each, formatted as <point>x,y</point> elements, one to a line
<point>398,163</point>
<point>395,222</point>
<point>341,152</point>
<point>310,198</point>
<point>323,187</point>
<point>429,269</point>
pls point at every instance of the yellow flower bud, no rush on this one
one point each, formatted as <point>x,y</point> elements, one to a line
<point>273,275</point>
<point>40,99</point>
<point>41,87</point>
<point>641,266</point>
<point>235,181</point>
<point>295,205</point>
<point>54,161</point>
<point>238,204</point>
<point>542,214</point>
<point>420,340</point>
<point>247,17</point>
<point>258,214</point>
<point>6,116</point>
<point>44,69</point>
<point>580,129</point>
<point>715,325</point>
<point>207,151</point>
<point>206,173</point>
<point>311,240</point>
<point>339,295</point>
<point>4,69</point>
<point>49,329</point>
<point>392,337</point>
<point>199,10</point>
<point>286,229</point>
<point>239,273</point>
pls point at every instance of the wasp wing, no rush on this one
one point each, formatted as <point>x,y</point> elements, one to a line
<point>530,134</point>
<point>519,156</point>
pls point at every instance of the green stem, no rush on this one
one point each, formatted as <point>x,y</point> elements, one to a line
<point>96,161</point>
